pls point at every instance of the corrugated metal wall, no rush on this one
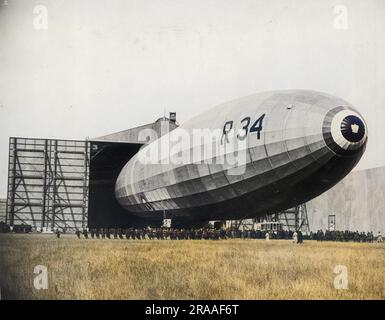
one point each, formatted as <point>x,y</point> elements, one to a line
<point>48,183</point>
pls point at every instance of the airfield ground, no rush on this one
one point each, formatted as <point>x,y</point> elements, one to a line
<point>163,269</point>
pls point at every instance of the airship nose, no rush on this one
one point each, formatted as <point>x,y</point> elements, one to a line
<point>345,131</point>
<point>353,129</point>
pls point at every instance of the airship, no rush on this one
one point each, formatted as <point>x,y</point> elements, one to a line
<point>246,158</point>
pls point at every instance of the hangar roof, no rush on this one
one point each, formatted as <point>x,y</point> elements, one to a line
<point>141,134</point>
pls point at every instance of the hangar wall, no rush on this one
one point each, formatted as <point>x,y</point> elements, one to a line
<point>357,202</point>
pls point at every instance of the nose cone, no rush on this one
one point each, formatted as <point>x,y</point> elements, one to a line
<point>345,131</point>
<point>353,129</point>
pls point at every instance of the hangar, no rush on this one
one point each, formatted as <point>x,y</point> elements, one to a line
<point>69,184</point>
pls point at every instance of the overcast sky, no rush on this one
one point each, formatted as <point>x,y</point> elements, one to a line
<point>99,66</point>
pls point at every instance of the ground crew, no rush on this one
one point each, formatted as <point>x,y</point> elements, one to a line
<point>300,237</point>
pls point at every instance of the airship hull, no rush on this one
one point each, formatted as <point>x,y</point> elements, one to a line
<point>287,148</point>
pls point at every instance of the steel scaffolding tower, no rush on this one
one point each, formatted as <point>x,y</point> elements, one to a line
<point>48,183</point>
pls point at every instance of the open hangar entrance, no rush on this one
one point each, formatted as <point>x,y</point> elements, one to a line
<point>106,161</point>
<point>108,155</point>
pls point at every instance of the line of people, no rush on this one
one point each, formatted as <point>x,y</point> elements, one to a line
<point>345,236</point>
<point>183,234</point>
<point>222,234</point>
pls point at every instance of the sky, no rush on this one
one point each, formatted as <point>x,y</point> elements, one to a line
<point>75,69</point>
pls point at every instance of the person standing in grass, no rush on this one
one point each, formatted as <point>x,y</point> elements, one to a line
<point>295,237</point>
<point>379,237</point>
<point>300,237</point>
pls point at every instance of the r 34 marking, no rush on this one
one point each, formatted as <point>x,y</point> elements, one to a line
<point>245,122</point>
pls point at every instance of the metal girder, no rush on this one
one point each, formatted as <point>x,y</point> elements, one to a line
<point>295,219</point>
<point>48,183</point>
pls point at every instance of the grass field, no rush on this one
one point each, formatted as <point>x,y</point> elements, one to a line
<point>225,269</point>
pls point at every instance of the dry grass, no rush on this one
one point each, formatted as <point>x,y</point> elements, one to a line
<point>229,269</point>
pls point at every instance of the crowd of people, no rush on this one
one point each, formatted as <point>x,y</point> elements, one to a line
<point>222,234</point>
<point>174,234</point>
<point>4,227</point>
<point>345,236</point>
<point>218,234</point>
